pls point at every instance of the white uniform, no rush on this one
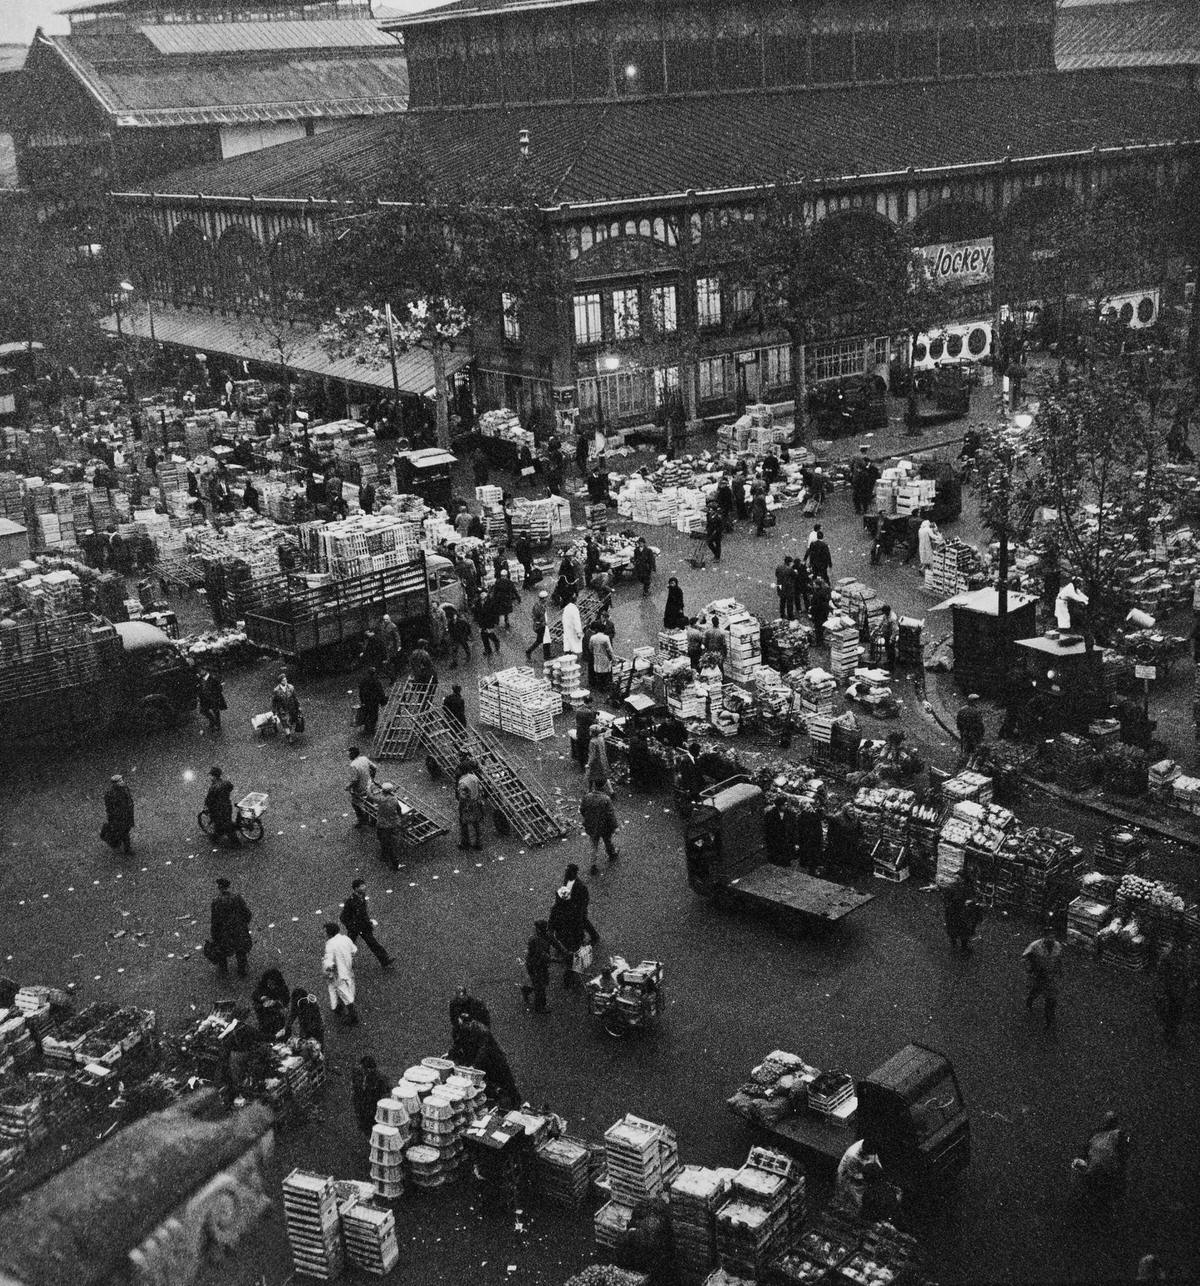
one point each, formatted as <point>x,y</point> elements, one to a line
<point>572,627</point>
<point>339,969</point>
<point>925,543</point>
<point>1062,604</point>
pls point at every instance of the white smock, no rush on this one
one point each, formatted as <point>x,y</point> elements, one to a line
<point>572,627</point>
<point>338,966</point>
<point>1062,604</point>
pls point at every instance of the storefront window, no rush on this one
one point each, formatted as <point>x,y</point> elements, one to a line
<point>662,309</point>
<point>743,303</point>
<point>587,319</point>
<point>778,363</point>
<point>836,360</point>
<point>512,322</point>
<point>627,322</point>
<point>708,301</point>
<point>715,378</point>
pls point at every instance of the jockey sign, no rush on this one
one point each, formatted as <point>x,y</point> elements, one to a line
<point>961,263</point>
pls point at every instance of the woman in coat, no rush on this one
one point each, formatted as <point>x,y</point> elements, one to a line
<point>272,1001</point>
<point>674,617</point>
<point>568,931</point>
<point>118,814</point>
<point>507,595</point>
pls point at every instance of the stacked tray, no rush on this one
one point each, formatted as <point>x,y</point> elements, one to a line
<point>369,1229</point>
<point>311,1217</point>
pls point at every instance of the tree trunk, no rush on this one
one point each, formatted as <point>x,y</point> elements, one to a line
<point>799,392</point>
<point>441,399</point>
<point>1193,344</point>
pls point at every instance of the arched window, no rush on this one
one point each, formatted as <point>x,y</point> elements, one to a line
<point>145,258</point>
<point>241,275</point>
<point>287,264</point>
<point>190,263</point>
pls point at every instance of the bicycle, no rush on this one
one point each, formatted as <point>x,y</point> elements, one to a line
<point>247,820</point>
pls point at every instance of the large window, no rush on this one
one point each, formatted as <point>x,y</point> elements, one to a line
<point>627,320</point>
<point>743,303</point>
<point>837,359</point>
<point>662,309</point>
<point>512,319</point>
<point>715,378</point>
<point>777,366</point>
<point>587,319</point>
<point>708,301</point>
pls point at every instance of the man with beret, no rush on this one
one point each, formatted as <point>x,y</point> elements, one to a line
<point>229,931</point>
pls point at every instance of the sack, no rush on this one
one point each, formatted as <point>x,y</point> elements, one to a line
<point>582,958</point>
<point>210,952</point>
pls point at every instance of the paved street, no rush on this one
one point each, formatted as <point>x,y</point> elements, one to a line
<point>736,988</point>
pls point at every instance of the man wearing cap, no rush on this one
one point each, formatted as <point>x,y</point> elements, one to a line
<point>356,920</point>
<point>362,772</point>
<point>218,803</point>
<point>970,726</point>
<point>229,929</point>
<point>118,814</point>
<point>389,823</point>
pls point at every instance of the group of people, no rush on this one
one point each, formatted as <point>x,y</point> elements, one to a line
<point>566,937</point>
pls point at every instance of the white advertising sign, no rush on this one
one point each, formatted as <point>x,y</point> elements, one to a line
<point>961,263</point>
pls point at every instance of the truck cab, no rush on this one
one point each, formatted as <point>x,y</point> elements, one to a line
<point>157,685</point>
<point>912,1110</point>
<point>444,584</point>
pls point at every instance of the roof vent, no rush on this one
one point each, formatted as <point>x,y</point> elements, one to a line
<point>523,140</point>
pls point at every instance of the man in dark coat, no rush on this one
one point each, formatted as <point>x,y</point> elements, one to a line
<point>818,557</point>
<point>818,607</point>
<point>785,588</point>
<point>372,697</point>
<point>778,836</point>
<point>455,706</point>
<point>212,698</point>
<point>118,814</point>
<point>356,920</point>
<point>229,929</point>
<point>539,952</point>
<point>218,802</point>
<point>599,823</point>
<point>738,487</point>
<point>962,915</point>
<point>367,1086</point>
<point>465,1008</point>
<point>714,531</point>
<point>585,716</point>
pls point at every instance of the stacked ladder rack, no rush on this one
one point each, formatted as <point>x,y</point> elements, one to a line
<point>526,810</point>
<point>420,823</point>
<point>398,725</point>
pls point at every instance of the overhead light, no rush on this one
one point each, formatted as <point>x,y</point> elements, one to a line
<point>630,71</point>
<point>612,362</point>
<point>127,286</point>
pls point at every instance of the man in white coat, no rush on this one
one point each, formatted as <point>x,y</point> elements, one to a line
<point>338,966</point>
<point>572,628</point>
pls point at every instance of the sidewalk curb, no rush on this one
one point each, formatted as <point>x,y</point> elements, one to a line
<point>1164,830</point>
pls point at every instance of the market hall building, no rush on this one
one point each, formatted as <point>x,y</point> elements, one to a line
<point>640,125</point>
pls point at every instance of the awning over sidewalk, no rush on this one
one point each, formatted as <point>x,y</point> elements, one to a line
<point>244,337</point>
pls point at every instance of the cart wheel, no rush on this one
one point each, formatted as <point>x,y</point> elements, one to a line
<point>156,714</point>
<point>205,823</point>
<point>251,828</point>
<point>617,1028</point>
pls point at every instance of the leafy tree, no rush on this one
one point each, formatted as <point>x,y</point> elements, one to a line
<point>444,260</point>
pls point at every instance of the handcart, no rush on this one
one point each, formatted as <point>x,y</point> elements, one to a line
<point>418,825</point>
<point>247,817</point>
<point>624,998</point>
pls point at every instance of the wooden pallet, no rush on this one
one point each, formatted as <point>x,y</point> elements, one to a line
<point>397,733</point>
<point>526,810</point>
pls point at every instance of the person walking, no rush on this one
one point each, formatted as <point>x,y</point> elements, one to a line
<point>585,716</point>
<point>421,666</point>
<point>716,643</point>
<point>567,931</point>
<point>118,814</point>
<point>458,631</point>
<point>372,697</point>
<point>337,964</point>
<point>539,952</point>
<point>507,595</point>
<point>597,760</point>
<point>599,823</point>
<point>785,588</point>
<point>643,564</point>
<point>229,929</point>
<point>580,897</point>
<point>374,653</point>
<point>285,706</point>
<point>888,631</point>
<point>801,591</point>
<point>725,502</point>
<point>695,641</point>
<point>818,557</point>
<point>356,920</point>
<point>1171,988</point>
<point>818,607</point>
<point>758,511</point>
<point>971,731</point>
<point>601,657</point>
<point>367,1086</point>
<point>218,803</point>
<point>389,825</point>
<point>488,616</point>
<point>738,488</point>
<point>389,632</point>
<point>211,696</point>
<point>962,915</point>
<point>541,635</point>
<point>362,774</point>
<point>714,531</point>
<point>469,793</point>
<point>455,706</point>
<point>1044,966</point>
<point>674,617</point>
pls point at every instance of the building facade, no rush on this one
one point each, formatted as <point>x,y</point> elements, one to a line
<point>969,159</point>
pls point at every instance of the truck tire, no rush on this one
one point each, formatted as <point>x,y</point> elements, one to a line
<point>156,713</point>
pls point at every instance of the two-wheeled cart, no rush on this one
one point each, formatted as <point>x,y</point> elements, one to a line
<point>624,998</point>
<point>247,817</point>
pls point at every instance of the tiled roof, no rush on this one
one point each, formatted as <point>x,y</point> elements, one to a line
<point>1152,33</point>
<point>481,8</point>
<point>136,84</point>
<point>587,152</point>
<point>244,37</point>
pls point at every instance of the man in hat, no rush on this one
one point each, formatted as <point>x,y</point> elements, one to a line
<point>118,814</point>
<point>455,706</point>
<point>218,803</point>
<point>372,697</point>
<point>970,726</point>
<point>356,920</point>
<point>338,967</point>
<point>389,825</point>
<point>229,929</point>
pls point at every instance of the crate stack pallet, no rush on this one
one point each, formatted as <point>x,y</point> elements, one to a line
<point>1119,850</point>
<point>956,567</point>
<point>951,849</point>
<point>12,497</point>
<point>763,1214</point>
<point>842,634</point>
<point>390,1136</point>
<point>815,690</point>
<point>369,1230</point>
<point>697,1193</point>
<point>860,602</point>
<point>314,1232</point>
<point>992,830</point>
<point>1075,761</point>
<point>967,785</point>
<point>643,1160</point>
<point>672,643</point>
<point>745,647</point>
<point>909,644</point>
<point>516,700</point>
<point>787,645</point>
<point>563,673</point>
<point>595,517</point>
<point>1038,872</point>
<point>1085,918</point>
<point>563,1172</point>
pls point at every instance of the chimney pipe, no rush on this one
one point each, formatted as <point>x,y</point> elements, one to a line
<point>523,140</point>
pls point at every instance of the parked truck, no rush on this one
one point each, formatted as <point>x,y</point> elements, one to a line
<point>66,679</point>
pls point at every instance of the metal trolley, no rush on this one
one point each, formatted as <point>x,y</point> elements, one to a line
<point>626,998</point>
